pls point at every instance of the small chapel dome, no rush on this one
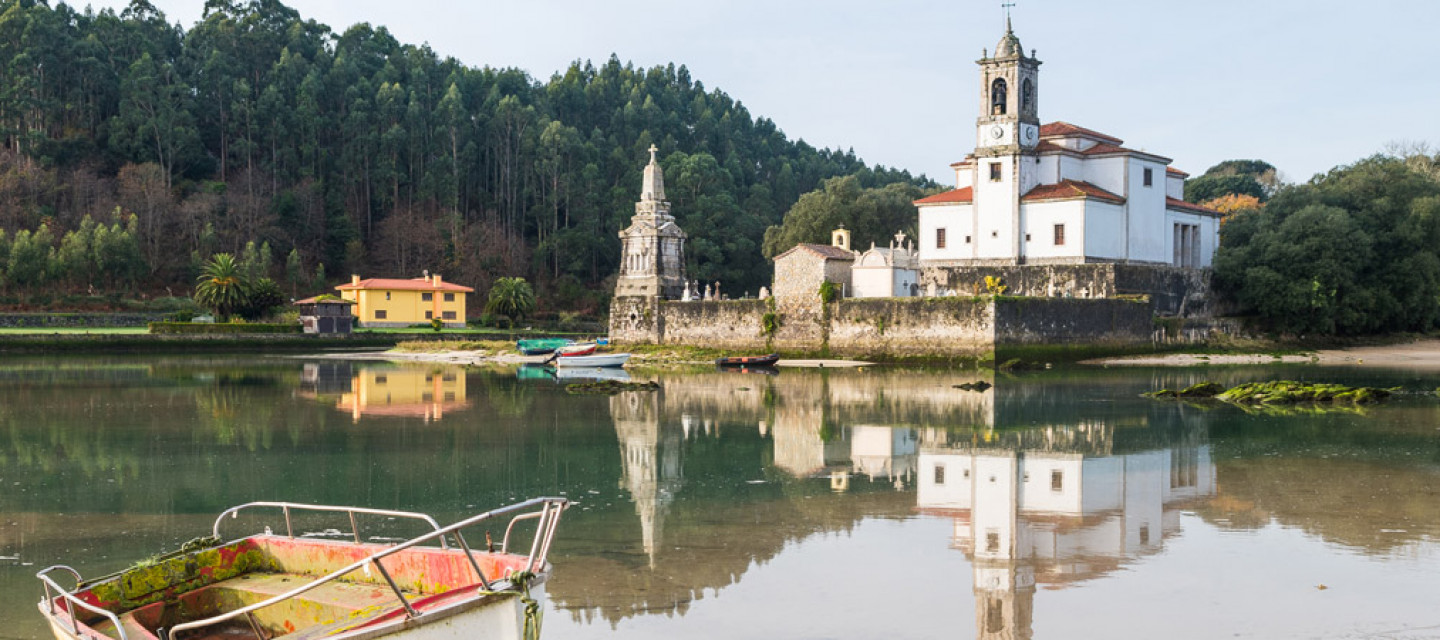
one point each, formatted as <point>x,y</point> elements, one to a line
<point>1009,44</point>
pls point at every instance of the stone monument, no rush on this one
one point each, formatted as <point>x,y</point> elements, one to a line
<point>652,249</point>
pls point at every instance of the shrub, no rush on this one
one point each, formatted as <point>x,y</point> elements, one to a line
<point>206,328</point>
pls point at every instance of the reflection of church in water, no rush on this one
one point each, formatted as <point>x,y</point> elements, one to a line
<point>1052,507</point>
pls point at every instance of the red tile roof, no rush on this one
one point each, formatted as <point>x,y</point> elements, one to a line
<point>829,252</point>
<point>1065,129</point>
<point>1174,171</point>
<point>961,196</point>
<point>1046,145</point>
<point>1070,189</point>
<point>1103,148</point>
<point>395,284</point>
<point>1172,203</point>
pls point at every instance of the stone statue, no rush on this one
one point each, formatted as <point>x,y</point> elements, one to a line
<point>687,296</point>
<point>764,293</point>
<point>707,293</point>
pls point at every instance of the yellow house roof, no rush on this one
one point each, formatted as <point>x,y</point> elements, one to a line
<point>396,284</point>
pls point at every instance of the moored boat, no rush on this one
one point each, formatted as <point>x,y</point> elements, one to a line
<point>603,360</point>
<point>541,346</point>
<point>749,361</point>
<point>577,349</point>
<point>268,585</point>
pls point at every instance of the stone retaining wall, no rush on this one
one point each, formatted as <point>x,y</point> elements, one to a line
<point>47,320</point>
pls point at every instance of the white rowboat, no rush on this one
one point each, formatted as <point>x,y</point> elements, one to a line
<point>604,360</point>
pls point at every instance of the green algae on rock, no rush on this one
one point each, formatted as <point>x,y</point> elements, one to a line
<point>610,387</point>
<point>1279,392</point>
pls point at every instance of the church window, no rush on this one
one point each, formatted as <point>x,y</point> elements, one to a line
<point>997,97</point>
<point>1059,234</point>
<point>940,238</point>
<point>992,541</point>
<point>995,172</point>
<point>967,239</point>
<point>1149,176</point>
<point>939,474</point>
<point>1027,237</point>
<point>1057,480</point>
<point>1027,96</point>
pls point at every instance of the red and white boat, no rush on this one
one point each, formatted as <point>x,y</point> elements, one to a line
<point>573,350</point>
<point>268,586</point>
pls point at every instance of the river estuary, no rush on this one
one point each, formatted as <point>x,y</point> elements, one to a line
<point>876,503</point>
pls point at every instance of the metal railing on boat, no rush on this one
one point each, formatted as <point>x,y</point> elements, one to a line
<point>549,516</point>
<point>71,600</point>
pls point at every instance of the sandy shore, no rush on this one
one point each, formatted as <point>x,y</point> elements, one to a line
<point>1422,354</point>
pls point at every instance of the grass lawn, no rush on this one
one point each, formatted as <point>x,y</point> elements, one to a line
<point>469,332</point>
<point>78,330</point>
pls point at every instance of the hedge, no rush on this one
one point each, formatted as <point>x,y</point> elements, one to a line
<point>219,328</point>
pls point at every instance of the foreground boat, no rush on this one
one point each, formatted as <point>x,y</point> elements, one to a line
<point>268,586</point>
<point>603,360</point>
<point>541,346</point>
<point>749,361</point>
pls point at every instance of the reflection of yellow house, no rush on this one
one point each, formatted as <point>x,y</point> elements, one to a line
<point>405,393</point>
<point>390,302</point>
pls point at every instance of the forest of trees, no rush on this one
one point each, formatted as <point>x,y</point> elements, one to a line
<point>362,154</point>
<point>1354,251</point>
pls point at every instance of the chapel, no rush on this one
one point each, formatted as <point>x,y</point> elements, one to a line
<point>1057,193</point>
<point>652,248</point>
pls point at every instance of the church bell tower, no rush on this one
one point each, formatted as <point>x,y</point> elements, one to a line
<point>1006,135</point>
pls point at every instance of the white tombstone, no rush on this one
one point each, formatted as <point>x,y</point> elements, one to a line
<point>764,293</point>
<point>687,296</point>
<point>707,293</point>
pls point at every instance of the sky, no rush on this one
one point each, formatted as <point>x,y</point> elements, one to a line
<point>1304,84</point>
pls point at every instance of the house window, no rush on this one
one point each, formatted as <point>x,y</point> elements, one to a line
<point>992,541</point>
<point>1059,234</point>
<point>1145,534</point>
<point>994,171</point>
<point>1057,480</point>
<point>939,238</point>
<point>1149,176</point>
<point>449,377</point>
<point>449,297</point>
<point>448,315</point>
<point>939,474</point>
<point>387,295</point>
<point>381,379</point>
<point>427,397</point>
<point>380,314</point>
<point>449,396</point>
<point>429,315</point>
<point>427,297</point>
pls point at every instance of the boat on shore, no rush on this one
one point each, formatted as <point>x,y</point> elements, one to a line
<point>576,349</point>
<point>269,586</point>
<point>541,346</point>
<point>602,360</point>
<point>749,361</point>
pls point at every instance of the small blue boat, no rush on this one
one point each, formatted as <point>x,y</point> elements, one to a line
<point>541,346</point>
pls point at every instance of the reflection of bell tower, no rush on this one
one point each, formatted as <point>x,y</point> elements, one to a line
<point>652,466</point>
<point>652,249</point>
<point>1004,600</point>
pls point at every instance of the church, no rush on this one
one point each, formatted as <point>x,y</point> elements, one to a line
<point>1057,193</point>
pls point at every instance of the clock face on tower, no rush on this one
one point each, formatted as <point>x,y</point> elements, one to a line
<point>997,132</point>
<point>1029,134</point>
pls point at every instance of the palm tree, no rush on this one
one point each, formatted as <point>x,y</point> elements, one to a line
<point>512,298</point>
<point>220,287</point>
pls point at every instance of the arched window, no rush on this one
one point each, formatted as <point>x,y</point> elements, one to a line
<point>1027,96</point>
<point>997,97</point>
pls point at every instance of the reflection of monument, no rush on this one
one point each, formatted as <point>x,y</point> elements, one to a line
<point>650,452</point>
<point>408,392</point>
<point>1055,515</point>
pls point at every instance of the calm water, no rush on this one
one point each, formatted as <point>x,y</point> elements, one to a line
<point>835,504</point>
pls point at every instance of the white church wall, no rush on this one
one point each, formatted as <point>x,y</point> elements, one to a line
<point>1104,233</point>
<point>1071,168</point>
<point>996,507</point>
<point>1040,220</point>
<point>1174,186</point>
<point>964,176</point>
<point>1148,230</point>
<point>1146,475</point>
<point>995,200</point>
<point>1102,484</point>
<point>957,220</point>
<point>1106,173</point>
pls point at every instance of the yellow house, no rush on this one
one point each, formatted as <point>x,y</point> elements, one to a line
<point>390,302</point>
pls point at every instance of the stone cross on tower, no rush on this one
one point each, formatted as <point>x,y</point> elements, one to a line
<point>652,253</point>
